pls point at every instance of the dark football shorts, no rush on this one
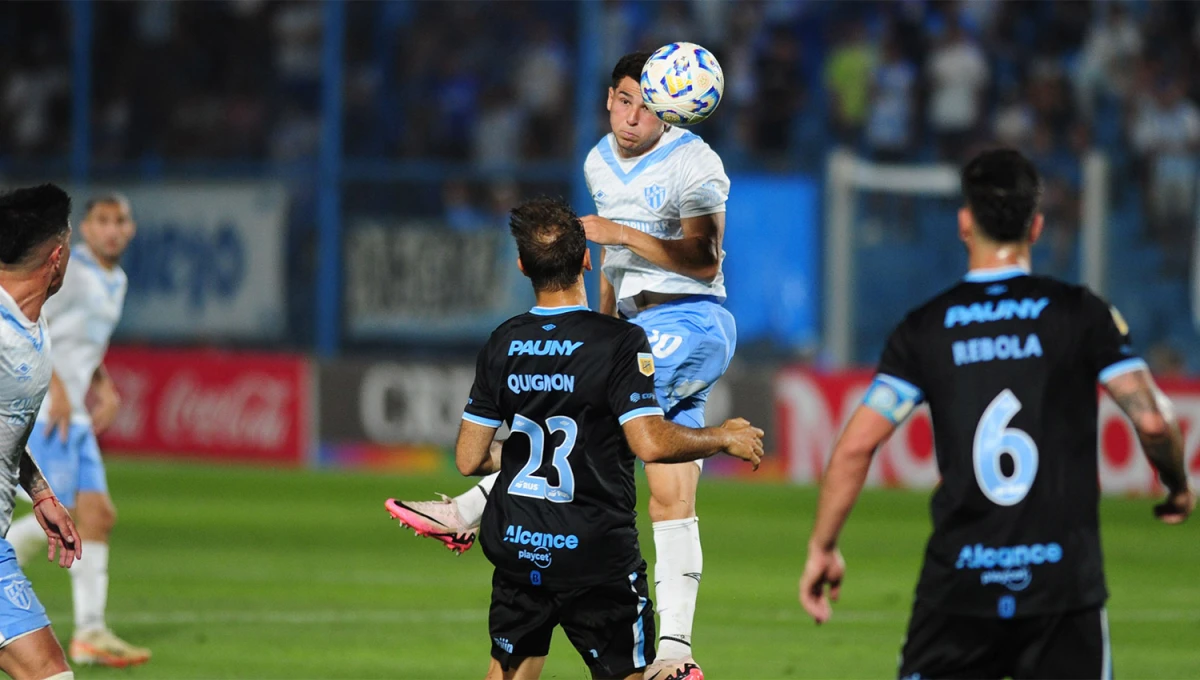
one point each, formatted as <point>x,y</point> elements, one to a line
<point>611,625</point>
<point>1066,645</point>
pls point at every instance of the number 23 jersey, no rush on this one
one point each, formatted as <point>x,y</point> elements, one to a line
<point>1009,364</point>
<point>561,514</point>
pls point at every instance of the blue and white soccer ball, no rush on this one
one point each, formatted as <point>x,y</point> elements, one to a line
<point>682,83</point>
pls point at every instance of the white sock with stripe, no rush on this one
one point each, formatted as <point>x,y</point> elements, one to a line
<point>678,565</point>
<point>471,503</point>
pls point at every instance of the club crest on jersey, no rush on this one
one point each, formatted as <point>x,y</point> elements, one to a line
<point>19,593</point>
<point>645,363</point>
<point>654,196</point>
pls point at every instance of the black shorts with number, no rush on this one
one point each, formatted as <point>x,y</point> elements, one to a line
<point>1067,645</point>
<point>611,625</point>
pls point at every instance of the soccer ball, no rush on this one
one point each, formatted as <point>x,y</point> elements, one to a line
<point>682,83</point>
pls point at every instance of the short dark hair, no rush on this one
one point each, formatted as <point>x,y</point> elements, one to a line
<point>630,66</point>
<point>1002,190</point>
<point>29,217</point>
<point>112,198</point>
<point>550,241</point>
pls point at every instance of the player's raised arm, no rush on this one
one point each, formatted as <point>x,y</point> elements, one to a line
<point>1153,416</point>
<point>696,255</point>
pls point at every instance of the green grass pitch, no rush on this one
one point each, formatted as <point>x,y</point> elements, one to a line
<point>242,573</point>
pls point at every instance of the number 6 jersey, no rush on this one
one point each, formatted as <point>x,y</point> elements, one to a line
<point>565,380</point>
<point>1009,364</point>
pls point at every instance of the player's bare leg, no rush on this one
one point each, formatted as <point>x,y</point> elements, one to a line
<point>35,656</point>
<point>679,563</point>
<point>527,668</point>
<point>93,642</point>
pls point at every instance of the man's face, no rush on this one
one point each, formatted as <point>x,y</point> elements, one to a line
<point>634,126</point>
<point>108,229</point>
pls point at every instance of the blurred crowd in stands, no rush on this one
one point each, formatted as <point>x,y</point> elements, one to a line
<point>489,84</point>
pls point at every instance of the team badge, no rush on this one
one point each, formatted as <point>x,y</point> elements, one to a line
<point>19,593</point>
<point>645,363</point>
<point>654,196</point>
<point>1122,327</point>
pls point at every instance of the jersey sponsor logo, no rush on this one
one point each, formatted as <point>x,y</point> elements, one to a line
<point>1000,348</point>
<point>636,397</point>
<point>654,196</point>
<point>598,198</point>
<point>539,539</point>
<point>539,556</point>
<point>658,227</point>
<point>998,310</point>
<point>549,327</point>
<point>543,348</point>
<point>645,363</point>
<point>526,382</point>
<point>1008,566</point>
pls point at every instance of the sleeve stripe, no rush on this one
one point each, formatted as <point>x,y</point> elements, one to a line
<point>1121,368</point>
<point>903,387</point>
<point>640,413</point>
<point>480,420</point>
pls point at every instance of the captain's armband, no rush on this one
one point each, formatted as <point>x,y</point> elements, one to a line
<point>892,397</point>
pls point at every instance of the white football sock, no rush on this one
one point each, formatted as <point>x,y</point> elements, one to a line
<point>471,503</point>
<point>27,538</point>
<point>677,568</point>
<point>89,587</point>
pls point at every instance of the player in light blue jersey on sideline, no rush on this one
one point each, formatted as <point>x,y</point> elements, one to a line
<point>82,319</point>
<point>660,192</point>
<point>34,251</point>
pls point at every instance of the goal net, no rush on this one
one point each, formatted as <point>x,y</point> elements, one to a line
<point>891,242</point>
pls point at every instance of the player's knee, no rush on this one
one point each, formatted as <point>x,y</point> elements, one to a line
<point>673,506</point>
<point>62,675</point>
<point>106,517</point>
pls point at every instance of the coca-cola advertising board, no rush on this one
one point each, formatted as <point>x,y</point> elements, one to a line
<point>812,408</point>
<point>238,407</point>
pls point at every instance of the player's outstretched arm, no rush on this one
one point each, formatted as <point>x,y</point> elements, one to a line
<point>843,482</point>
<point>697,254</point>
<point>50,514</point>
<point>655,440</point>
<point>1153,416</point>
<point>475,453</point>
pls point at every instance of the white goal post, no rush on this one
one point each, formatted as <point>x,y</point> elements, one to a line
<point>846,175</point>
